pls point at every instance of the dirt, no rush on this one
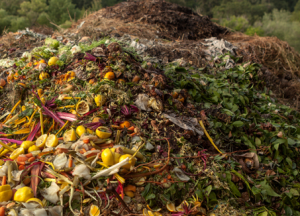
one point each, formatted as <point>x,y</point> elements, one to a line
<point>173,21</point>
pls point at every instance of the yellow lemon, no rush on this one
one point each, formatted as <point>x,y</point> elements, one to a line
<point>52,141</point>
<point>80,130</point>
<point>26,144</point>
<point>35,200</point>
<point>145,212</point>
<point>103,132</point>
<point>43,76</point>
<point>141,181</point>
<point>82,107</point>
<point>171,207</point>
<point>100,100</point>
<point>23,194</point>
<point>5,193</point>
<point>16,153</point>
<point>40,142</point>
<point>52,61</point>
<point>108,157</point>
<point>89,131</point>
<point>63,185</point>
<point>129,193</point>
<point>131,161</point>
<point>150,213</point>
<point>94,210</point>
<point>180,207</point>
<point>33,148</point>
<point>70,136</point>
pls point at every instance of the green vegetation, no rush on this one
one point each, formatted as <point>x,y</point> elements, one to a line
<point>280,18</point>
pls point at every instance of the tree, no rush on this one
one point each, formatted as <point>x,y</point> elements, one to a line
<point>252,11</point>
<point>11,6</point>
<point>296,13</point>
<point>96,5</point>
<point>32,10</point>
<point>82,3</point>
<point>61,10</point>
<point>4,21</point>
<point>19,23</point>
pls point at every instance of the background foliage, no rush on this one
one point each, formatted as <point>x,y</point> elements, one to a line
<point>280,18</point>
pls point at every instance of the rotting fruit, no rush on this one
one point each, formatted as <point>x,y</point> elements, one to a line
<point>80,130</point>
<point>103,132</point>
<point>5,193</point>
<point>110,156</point>
<point>52,61</point>
<point>131,163</point>
<point>125,124</point>
<point>23,194</point>
<point>100,100</point>
<point>43,76</point>
<point>109,76</point>
<point>82,107</point>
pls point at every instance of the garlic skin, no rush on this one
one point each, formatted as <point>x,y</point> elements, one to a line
<point>50,193</point>
<point>82,171</point>
<point>60,161</point>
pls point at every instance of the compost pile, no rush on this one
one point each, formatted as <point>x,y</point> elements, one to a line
<point>99,127</point>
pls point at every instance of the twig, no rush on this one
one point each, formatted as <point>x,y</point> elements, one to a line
<point>70,15</point>
<point>110,189</point>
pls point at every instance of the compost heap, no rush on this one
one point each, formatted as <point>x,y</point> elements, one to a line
<point>92,129</point>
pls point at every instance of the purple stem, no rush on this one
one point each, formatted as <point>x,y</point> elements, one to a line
<point>12,141</point>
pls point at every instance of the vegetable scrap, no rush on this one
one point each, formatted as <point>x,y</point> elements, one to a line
<point>98,132</point>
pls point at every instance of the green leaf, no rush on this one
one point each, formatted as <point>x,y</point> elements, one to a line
<point>289,161</point>
<point>242,177</point>
<point>37,102</point>
<point>242,100</point>
<point>27,112</point>
<point>207,191</point>
<point>238,124</point>
<point>288,211</point>
<point>265,213</point>
<point>257,142</point>
<point>279,141</point>
<point>146,190</point>
<point>267,188</point>
<point>255,190</point>
<point>290,141</point>
<point>150,196</point>
<point>294,192</point>
<point>234,189</point>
